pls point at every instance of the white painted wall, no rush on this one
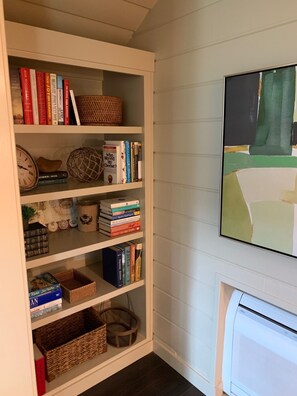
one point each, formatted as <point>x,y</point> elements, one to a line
<point>197,42</point>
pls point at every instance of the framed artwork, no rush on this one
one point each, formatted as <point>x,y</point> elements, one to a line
<point>259,162</point>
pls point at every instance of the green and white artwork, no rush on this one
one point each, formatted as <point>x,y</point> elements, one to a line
<point>259,180</point>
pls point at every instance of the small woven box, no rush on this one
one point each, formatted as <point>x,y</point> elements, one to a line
<point>99,109</point>
<point>75,285</point>
<point>70,341</point>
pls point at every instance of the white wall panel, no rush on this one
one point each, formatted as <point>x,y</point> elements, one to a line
<point>200,137</point>
<point>191,202</point>
<point>203,172</point>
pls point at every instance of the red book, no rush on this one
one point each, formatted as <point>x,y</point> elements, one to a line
<point>41,98</point>
<point>118,233</point>
<point>48,99</point>
<point>39,361</point>
<point>66,102</point>
<point>26,95</point>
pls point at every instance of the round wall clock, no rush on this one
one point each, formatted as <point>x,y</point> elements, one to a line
<point>27,169</point>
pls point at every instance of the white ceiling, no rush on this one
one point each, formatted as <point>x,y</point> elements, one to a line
<point>113,21</point>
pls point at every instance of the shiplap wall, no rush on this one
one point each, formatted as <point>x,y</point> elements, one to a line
<point>197,42</point>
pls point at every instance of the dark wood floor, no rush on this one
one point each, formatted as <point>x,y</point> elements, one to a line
<point>149,376</point>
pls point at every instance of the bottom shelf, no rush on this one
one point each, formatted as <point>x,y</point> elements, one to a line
<point>97,369</point>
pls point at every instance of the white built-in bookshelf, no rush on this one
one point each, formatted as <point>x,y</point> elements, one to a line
<point>109,70</point>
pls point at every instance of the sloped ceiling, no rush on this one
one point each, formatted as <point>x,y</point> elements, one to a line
<point>113,21</point>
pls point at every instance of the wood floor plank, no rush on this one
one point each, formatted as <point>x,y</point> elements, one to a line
<point>149,376</point>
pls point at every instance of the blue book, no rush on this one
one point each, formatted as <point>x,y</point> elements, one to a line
<point>127,272</point>
<point>112,266</point>
<point>45,298</point>
<point>128,161</point>
<point>41,284</point>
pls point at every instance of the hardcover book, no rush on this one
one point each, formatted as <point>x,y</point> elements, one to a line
<point>74,107</point>
<point>16,97</point>
<point>34,96</point>
<point>39,361</point>
<point>121,144</point>
<point>42,283</point>
<point>138,261</point>
<point>41,97</point>
<point>112,164</point>
<point>46,297</point>
<point>119,202</point>
<point>26,95</point>
<point>66,102</point>
<point>35,229</point>
<point>60,100</point>
<point>48,99</point>
<point>49,307</point>
<point>54,98</point>
<point>112,266</point>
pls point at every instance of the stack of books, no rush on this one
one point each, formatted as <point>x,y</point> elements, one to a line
<point>52,177</point>
<point>119,216</point>
<point>45,294</point>
<point>36,240</point>
<point>122,264</point>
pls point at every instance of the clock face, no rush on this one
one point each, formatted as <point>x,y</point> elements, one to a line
<point>27,169</point>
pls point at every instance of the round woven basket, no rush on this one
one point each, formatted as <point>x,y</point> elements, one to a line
<point>99,109</point>
<point>85,164</point>
<point>121,325</point>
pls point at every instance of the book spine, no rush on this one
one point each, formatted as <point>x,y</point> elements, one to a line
<point>39,362</point>
<point>16,96</point>
<point>121,203</point>
<point>128,161</point>
<point>36,252</point>
<point>53,175</point>
<point>54,98</point>
<point>138,261</point>
<point>112,234</point>
<point>132,261</point>
<point>122,215</point>
<point>44,298</point>
<point>41,99</point>
<point>60,100</point>
<point>34,96</point>
<point>26,95</point>
<point>132,159</point>
<point>36,239</point>
<point>48,98</point>
<point>73,102</point>
<point>139,161</point>
<point>121,227</point>
<point>36,245</point>
<point>52,181</point>
<point>44,290</point>
<point>112,266</point>
<point>35,232</point>
<point>114,223</point>
<point>127,266</point>
<point>111,161</point>
<point>127,207</point>
<point>66,102</point>
<point>49,308</point>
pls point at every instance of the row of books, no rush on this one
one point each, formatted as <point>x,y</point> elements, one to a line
<point>119,216</point>
<point>122,264</point>
<point>45,294</point>
<point>42,98</point>
<point>36,240</point>
<point>122,161</point>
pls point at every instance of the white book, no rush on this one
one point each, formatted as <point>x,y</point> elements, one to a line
<point>60,99</point>
<point>121,144</point>
<point>54,98</point>
<point>34,96</point>
<point>119,202</point>
<point>112,164</point>
<point>73,102</point>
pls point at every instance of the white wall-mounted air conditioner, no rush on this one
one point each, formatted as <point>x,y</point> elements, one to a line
<point>260,349</point>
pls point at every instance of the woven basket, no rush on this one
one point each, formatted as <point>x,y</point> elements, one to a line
<point>121,324</point>
<point>71,341</point>
<point>99,109</point>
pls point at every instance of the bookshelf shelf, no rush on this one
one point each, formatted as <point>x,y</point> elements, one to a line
<point>93,68</point>
<point>105,291</point>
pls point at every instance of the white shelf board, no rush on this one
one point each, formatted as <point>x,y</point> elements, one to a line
<point>73,188</point>
<point>104,291</point>
<point>77,129</point>
<point>71,243</point>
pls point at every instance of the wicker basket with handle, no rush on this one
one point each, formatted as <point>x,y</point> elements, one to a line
<point>99,109</point>
<point>70,341</point>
